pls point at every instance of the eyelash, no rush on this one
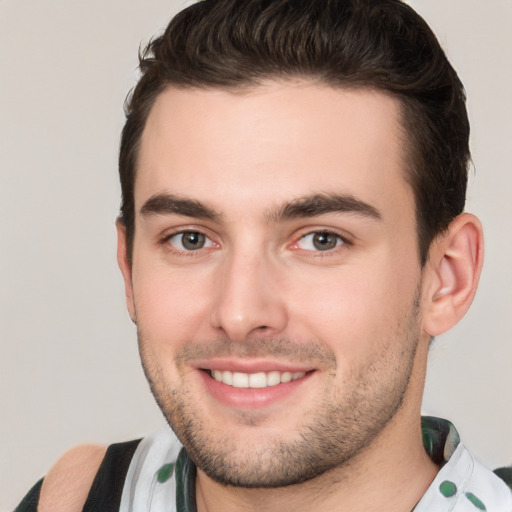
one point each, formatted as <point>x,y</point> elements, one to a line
<point>344,242</point>
<point>166,241</point>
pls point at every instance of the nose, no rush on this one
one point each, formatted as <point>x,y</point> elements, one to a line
<point>249,298</point>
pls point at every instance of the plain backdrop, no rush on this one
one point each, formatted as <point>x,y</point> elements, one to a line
<point>69,369</point>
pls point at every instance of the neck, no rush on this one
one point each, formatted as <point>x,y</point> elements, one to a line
<point>391,475</point>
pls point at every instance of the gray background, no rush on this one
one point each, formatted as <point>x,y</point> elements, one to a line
<point>69,370</point>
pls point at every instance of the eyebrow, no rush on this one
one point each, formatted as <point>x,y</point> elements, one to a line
<point>320,204</point>
<point>301,207</point>
<point>166,204</point>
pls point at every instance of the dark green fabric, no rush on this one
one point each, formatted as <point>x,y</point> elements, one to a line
<point>435,432</point>
<point>185,483</point>
<point>29,502</point>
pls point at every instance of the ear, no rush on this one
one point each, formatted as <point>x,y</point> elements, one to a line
<point>454,266</point>
<point>126,268</point>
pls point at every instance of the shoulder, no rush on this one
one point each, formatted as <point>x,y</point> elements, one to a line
<point>67,485</point>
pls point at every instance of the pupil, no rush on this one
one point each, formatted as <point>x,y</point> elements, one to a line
<point>324,241</point>
<point>193,240</point>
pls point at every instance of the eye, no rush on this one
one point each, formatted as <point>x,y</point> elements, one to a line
<point>189,241</point>
<point>320,241</point>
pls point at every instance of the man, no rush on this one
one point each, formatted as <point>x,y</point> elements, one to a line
<point>291,240</point>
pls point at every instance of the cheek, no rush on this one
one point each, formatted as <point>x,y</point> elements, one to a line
<point>171,306</point>
<point>343,310</point>
<point>170,311</point>
<point>355,310</point>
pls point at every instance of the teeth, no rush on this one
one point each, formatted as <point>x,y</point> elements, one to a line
<point>273,378</point>
<point>227,378</point>
<point>255,380</point>
<point>240,380</point>
<point>286,377</point>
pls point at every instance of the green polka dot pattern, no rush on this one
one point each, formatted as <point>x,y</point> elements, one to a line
<point>448,488</point>
<point>164,473</point>
<point>478,504</point>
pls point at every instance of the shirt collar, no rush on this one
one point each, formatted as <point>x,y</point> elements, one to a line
<point>462,484</point>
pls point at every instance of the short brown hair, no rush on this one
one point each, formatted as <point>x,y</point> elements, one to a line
<point>380,44</point>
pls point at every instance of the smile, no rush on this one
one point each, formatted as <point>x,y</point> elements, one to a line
<point>255,380</point>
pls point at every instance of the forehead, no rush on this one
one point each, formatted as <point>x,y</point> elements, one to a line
<point>272,142</point>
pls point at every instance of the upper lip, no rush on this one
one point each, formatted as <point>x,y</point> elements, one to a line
<point>251,365</point>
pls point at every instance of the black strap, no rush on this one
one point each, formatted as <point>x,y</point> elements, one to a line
<point>29,502</point>
<point>505,474</point>
<point>107,488</point>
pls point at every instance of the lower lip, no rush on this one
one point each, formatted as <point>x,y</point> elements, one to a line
<point>250,398</point>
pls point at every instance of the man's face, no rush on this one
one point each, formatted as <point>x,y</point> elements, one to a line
<point>276,280</point>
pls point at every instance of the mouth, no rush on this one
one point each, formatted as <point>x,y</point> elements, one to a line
<point>257,380</point>
<point>252,386</point>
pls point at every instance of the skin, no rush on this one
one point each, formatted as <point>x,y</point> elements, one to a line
<point>66,486</point>
<point>259,294</point>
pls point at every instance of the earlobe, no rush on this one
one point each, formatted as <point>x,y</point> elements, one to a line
<point>125,267</point>
<point>455,263</point>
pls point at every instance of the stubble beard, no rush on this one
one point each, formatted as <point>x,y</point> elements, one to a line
<point>338,429</point>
